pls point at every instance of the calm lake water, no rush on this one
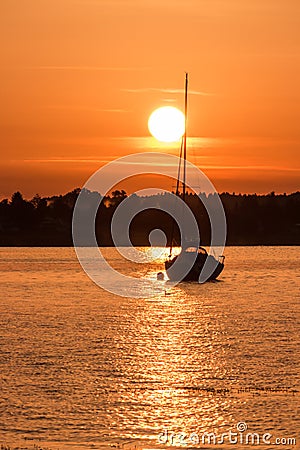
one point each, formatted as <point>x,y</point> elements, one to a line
<point>83,368</point>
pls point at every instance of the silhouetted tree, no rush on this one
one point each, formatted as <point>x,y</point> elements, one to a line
<point>21,212</point>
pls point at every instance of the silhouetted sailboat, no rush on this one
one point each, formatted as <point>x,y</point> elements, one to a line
<point>188,265</point>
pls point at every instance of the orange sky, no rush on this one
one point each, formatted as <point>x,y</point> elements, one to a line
<point>79,79</point>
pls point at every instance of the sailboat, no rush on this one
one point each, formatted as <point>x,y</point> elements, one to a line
<point>189,263</point>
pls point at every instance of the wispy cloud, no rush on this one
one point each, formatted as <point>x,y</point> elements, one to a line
<point>145,142</point>
<point>65,160</point>
<point>90,68</point>
<point>155,164</point>
<point>171,100</point>
<point>262,167</point>
<point>166,91</point>
<point>59,159</point>
<point>84,108</point>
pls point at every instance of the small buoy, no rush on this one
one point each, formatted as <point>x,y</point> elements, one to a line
<point>160,276</point>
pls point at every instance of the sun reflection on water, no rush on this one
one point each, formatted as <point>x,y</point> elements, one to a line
<point>180,365</point>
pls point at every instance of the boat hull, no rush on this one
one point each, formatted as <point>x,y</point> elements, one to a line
<point>174,272</point>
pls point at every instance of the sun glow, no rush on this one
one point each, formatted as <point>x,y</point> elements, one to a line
<point>167,124</point>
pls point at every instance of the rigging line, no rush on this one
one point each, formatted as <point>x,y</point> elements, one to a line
<point>183,238</point>
<point>185,134</point>
<point>179,169</point>
<point>177,194</point>
<point>183,148</point>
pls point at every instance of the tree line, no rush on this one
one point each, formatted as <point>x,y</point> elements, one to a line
<point>272,219</point>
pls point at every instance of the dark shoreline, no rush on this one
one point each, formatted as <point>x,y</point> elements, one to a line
<point>252,220</point>
<point>137,246</point>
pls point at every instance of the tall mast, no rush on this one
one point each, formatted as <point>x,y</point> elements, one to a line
<point>185,135</point>
<point>182,150</point>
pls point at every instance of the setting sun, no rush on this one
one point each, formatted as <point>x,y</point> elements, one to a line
<point>167,124</point>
